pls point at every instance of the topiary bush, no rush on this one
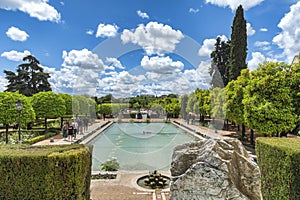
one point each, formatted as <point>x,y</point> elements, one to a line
<point>45,172</point>
<point>110,165</point>
<point>279,162</point>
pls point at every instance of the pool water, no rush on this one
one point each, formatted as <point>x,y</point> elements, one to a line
<point>138,146</point>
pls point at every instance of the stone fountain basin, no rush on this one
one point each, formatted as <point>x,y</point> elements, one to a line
<point>141,182</point>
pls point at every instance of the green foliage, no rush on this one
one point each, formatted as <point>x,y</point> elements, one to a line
<point>45,172</point>
<point>8,112</point>
<point>279,163</point>
<point>110,165</point>
<point>234,97</point>
<point>192,103</point>
<point>217,98</point>
<point>183,105</point>
<point>220,64</point>
<point>105,108</point>
<point>238,49</point>
<point>39,138</point>
<point>203,101</point>
<point>68,103</point>
<point>83,103</point>
<point>48,105</point>
<point>268,101</point>
<point>30,78</point>
<point>132,115</point>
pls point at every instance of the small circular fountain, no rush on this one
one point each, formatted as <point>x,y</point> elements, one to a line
<point>154,180</point>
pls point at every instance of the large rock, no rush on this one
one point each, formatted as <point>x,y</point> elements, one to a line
<point>214,169</point>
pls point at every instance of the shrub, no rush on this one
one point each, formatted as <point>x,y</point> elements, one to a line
<point>132,115</point>
<point>279,162</point>
<point>45,172</point>
<point>39,138</point>
<point>110,165</point>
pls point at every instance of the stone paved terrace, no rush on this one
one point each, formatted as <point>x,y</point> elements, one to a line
<point>93,130</point>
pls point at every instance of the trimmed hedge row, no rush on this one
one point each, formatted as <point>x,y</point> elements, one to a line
<point>39,138</point>
<point>279,162</point>
<point>45,172</point>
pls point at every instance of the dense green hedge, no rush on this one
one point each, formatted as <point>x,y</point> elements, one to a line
<point>39,138</point>
<point>45,172</point>
<point>279,162</point>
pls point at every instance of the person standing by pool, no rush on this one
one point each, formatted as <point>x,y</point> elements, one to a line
<point>85,124</point>
<point>80,126</point>
<point>65,131</point>
<point>75,128</point>
<point>70,133</point>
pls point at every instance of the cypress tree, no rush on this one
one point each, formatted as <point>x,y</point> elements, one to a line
<point>238,51</point>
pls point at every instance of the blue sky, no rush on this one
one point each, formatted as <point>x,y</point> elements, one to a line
<point>130,47</point>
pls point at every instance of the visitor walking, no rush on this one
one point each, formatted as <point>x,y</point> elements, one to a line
<point>75,128</point>
<point>70,133</point>
<point>85,124</point>
<point>65,131</point>
<point>80,126</point>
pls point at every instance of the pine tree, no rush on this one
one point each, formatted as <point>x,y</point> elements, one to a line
<point>238,50</point>
<point>30,78</point>
<point>220,63</point>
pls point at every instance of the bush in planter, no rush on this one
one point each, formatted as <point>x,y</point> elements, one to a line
<point>110,165</point>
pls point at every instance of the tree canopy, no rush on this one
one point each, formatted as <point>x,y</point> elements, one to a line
<point>268,102</point>
<point>30,78</point>
<point>220,63</point>
<point>8,112</point>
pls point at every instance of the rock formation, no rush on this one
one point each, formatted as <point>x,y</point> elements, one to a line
<point>214,169</point>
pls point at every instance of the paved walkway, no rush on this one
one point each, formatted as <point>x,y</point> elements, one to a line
<point>201,130</point>
<point>92,131</point>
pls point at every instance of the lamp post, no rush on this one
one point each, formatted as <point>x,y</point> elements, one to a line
<point>19,107</point>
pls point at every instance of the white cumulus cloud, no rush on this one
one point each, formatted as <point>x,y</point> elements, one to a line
<point>161,65</point>
<point>84,59</point>
<point>250,30</point>
<point>257,58</point>
<point>107,30</point>
<point>16,34</point>
<point>263,29</point>
<point>3,84</point>
<point>114,62</point>
<point>154,38</point>
<point>15,55</point>
<point>79,73</point>
<point>233,4</point>
<point>263,45</point>
<point>288,39</point>
<point>209,45</point>
<point>89,32</point>
<point>39,9</point>
<point>142,14</point>
<point>193,10</point>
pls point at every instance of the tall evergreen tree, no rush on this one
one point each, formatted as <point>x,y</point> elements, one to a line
<point>30,78</point>
<point>238,50</point>
<point>220,63</point>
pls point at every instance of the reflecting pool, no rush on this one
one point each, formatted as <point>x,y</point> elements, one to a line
<point>138,146</point>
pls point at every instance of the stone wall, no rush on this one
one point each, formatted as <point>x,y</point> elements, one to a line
<point>214,169</point>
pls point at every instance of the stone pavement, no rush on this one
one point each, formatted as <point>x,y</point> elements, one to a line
<point>92,131</point>
<point>201,130</point>
<point>124,187</point>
